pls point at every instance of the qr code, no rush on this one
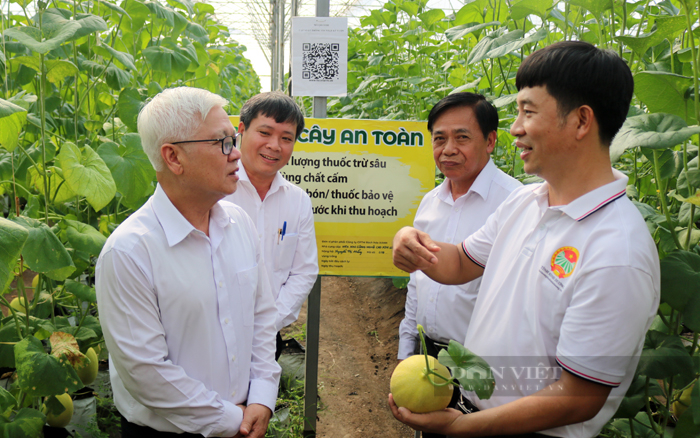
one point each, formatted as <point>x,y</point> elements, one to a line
<point>320,61</point>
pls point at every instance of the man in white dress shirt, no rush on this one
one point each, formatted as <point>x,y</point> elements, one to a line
<point>185,304</point>
<point>570,272</point>
<point>463,130</point>
<point>270,124</point>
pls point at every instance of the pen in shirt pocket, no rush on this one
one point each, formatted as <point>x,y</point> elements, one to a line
<point>284,229</point>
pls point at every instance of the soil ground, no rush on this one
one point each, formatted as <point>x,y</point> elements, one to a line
<point>358,344</point>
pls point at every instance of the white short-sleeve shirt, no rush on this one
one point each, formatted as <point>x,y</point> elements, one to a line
<point>575,286</point>
<point>444,311</point>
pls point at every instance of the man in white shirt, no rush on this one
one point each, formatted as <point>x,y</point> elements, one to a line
<point>570,273</point>
<point>463,128</point>
<point>270,124</point>
<point>185,305</point>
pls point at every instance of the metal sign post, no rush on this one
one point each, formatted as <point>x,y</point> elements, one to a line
<point>314,304</point>
<point>313,320</point>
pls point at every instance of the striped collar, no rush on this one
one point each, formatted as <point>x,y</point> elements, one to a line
<point>584,206</point>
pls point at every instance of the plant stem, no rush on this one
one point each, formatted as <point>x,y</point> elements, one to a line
<point>425,349</point>
<point>648,404</point>
<point>5,303</point>
<point>42,110</point>
<point>612,21</point>
<point>668,404</point>
<point>505,80</point>
<point>6,94</point>
<point>639,27</point>
<point>83,315</point>
<point>636,175</point>
<point>41,171</point>
<point>90,87</point>
<point>663,318</point>
<point>689,27</point>
<point>429,370</point>
<point>15,198</point>
<point>662,197</point>
<point>631,427</point>
<point>486,73</point>
<point>77,77</point>
<point>624,24</point>
<point>677,324</point>
<point>694,347</point>
<point>23,292</point>
<point>692,206</point>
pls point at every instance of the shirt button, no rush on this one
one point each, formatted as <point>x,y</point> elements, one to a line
<point>431,300</point>
<point>226,321</point>
<point>233,358</point>
<point>233,394</point>
<point>221,284</point>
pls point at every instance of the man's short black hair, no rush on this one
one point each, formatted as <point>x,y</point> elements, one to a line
<point>486,114</point>
<point>577,73</point>
<point>275,105</point>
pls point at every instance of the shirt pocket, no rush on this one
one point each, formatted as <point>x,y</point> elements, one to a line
<point>244,299</point>
<point>284,252</point>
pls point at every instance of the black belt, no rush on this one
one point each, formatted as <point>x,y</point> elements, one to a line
<point>131,430</point>
<point>433,347</point>
<point>464,404</point>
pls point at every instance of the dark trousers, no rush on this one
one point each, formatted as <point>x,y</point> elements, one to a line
<point>279,346</point>
<point>460,403</point>
<point>131,430</point>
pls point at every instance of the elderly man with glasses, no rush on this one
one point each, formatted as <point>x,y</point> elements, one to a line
<point>185,304</point>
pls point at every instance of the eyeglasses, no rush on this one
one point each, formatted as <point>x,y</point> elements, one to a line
<point>227,143</point>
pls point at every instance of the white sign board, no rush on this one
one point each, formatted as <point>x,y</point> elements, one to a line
<point>319,56</point>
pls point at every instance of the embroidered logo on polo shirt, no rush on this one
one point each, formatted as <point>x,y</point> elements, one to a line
<point>564,261</point>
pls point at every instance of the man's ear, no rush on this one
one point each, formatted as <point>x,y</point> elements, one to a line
<point>171,156</point>
<point>586,121</point>
<point>491,141</point>
<point>241,130</point>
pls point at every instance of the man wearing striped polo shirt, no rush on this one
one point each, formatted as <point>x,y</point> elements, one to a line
<point>570,273</point>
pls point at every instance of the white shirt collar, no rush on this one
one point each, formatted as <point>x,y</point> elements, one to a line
<point>481,185</point>
<point>278,182</point>
<point>174,224</point>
